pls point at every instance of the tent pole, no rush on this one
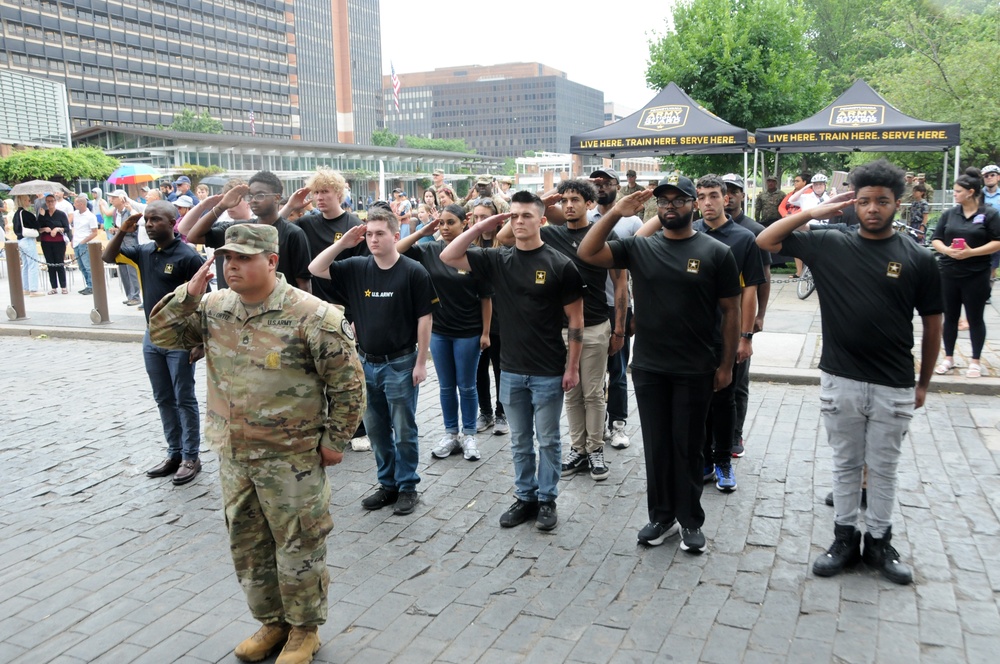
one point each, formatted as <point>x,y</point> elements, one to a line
<point>944,178</point>
<point>957,153</point>
<point>753,201</point>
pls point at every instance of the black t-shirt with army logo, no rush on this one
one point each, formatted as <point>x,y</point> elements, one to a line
<point>676,285</point>
<point>162,270</point>
<point>566,240</point>
<point>321,233</point>
<point>868,291</point>
<point>531,288</point>
<point>386,303</point>
<point>459,314</point>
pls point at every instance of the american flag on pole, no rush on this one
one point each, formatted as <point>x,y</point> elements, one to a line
<point>253,125</point>
<point>395,86</point>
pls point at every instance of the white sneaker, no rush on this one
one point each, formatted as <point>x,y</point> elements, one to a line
<point>500,426</point>
<point>469,448</point>
<point>361,444</point>
<point>448,445</point>
<point>619,439</point>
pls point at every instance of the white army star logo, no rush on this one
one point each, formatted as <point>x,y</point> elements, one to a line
<point>694,265</point>
<point>539,276</point>
<point>894,270</point>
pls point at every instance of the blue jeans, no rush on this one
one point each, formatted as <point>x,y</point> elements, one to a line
<point>391,421</point>
<point>455,361</point>
<point>171,376</point>
<point>29,263</point>
<point>533,405</point>
<point>83,260</point>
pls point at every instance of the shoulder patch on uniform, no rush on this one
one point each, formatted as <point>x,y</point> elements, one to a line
<point>345,327</point>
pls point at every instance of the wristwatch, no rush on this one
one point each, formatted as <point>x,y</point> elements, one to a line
<point>746,335</point>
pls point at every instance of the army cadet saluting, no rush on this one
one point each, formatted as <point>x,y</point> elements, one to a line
<point>285,394</point>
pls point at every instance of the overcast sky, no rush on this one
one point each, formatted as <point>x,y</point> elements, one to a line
<point>606,48</point>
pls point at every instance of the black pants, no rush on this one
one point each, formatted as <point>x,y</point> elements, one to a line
<point>972,291</point>
<point>672,411</point>
<point>741,379</point>
<point>489,356</point>
<point>55,252</point>
<point>720,425</point>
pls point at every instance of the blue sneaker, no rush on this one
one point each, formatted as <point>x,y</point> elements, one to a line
<point>725,478</point>
<point>709,474</point>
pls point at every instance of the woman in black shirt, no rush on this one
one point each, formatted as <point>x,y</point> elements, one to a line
<point>965,237</point>
<point>460,332</point>
<point>53,227</point>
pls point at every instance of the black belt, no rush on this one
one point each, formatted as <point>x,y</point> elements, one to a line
<point>382,359</point>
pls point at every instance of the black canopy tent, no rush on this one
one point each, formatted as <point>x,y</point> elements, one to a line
<point>670,124</point>
<point>861,120</point>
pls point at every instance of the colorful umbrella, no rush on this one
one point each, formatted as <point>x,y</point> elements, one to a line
<point>134,174</point>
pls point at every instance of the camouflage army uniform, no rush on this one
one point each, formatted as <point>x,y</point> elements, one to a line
<point>766,206</point>
<point>626,190</point>
<point>283,379</point>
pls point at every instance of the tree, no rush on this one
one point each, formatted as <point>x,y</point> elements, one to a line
<point>196,172</point>
<point>384,138</point>
<point>64,165</point>
<point>190,122</point>
<point>509,166</point>
<point>443,144</point>
<point>747,61</point>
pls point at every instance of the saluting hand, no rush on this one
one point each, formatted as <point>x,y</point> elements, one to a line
<point>354,236</point>
<point>496,221</point>
<point>633,204</point>
<point>199,282</point>
<point>132,223</point>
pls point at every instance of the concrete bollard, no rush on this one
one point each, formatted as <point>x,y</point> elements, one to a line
<point>16,309</point>
<point>99,315</point>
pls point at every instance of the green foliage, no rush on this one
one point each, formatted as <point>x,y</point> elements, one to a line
<point>384,138</point>
<point>509,166</point>
<point>64,165</point>
<point>196,172</point>
<point>192,123</point>
<point>443,144</point>
<point>747,61</point>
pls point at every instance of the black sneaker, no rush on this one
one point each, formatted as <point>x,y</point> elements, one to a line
<point>843,553</point>
<point>654,533</point>
<point>406,502</point>
<point>546,519</point>
<point>598,469</point>
<point>879,554</point>
<point>518,513</point>
<point>692,540</point>
<point>738,449</point>
<point>380,499</point>
<point>574,463</point>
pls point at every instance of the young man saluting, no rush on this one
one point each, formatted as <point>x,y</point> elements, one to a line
<point>535,287</point>
<point>871,280</point>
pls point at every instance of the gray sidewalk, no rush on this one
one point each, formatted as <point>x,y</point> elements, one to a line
<point>100,564</point>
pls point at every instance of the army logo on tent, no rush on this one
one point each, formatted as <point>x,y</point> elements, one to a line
<point>664,118</point>
<point>857,115</point>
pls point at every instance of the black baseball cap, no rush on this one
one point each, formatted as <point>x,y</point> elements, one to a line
<point>681,184</point>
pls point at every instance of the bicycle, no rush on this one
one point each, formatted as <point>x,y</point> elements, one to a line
<point>806,284</point>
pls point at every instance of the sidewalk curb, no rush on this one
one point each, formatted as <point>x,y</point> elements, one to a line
<point>26,329</point>
<point>941,384</point>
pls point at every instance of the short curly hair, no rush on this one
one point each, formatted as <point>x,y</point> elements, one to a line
<point>327,178</point>
<point>880,173</point>
<point>585,188</point>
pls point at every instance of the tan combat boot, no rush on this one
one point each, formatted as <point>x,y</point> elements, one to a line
<point>260,645</point>
<point>303,642</point>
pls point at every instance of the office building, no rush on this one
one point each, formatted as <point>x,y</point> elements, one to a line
<point>21,125</point>
<point>501,111</point>
<point>137,63</point>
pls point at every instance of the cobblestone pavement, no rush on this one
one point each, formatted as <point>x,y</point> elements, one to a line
<point>100,564</point>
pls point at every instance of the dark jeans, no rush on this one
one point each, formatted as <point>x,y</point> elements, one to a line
<point>720,425</point>
<point>741,379</point>
<point>972,291</point>
<point>672,412</point>
<point>489,356</point>
<point>55,252</point>
<point>617,374</point>
<point>171,376</point>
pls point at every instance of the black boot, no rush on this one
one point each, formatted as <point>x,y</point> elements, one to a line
<point>844,552</point>
<point>879,554</point>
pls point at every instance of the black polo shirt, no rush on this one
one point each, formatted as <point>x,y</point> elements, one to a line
<point>755,228</point>
<point>162,270</point>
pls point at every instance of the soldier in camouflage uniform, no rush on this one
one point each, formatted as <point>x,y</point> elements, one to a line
<point>484,189</point>
<point>285,394</point>
<point>629,188</point>
<point>766,206</point>
<point>649,210</point>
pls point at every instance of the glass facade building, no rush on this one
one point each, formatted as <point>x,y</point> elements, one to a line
<point>21,123</point>
<point>137,63</point>
<point>498,113</point>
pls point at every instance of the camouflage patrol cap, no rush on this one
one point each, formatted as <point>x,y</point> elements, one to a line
<point>250,239</point>
<point>484,179</point>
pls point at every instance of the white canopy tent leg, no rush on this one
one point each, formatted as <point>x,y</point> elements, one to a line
<point>753,201</point>
<point>958,149</point>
